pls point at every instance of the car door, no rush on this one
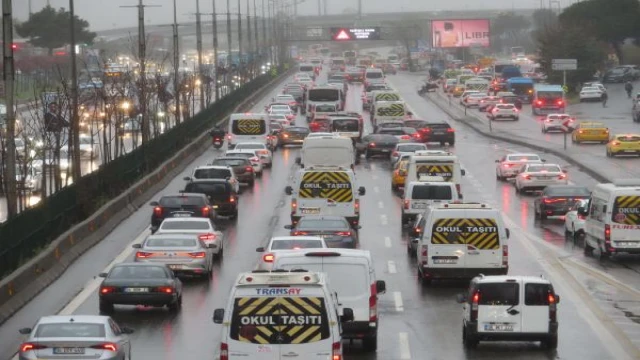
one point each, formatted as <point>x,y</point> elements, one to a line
<point>499,307</point>
<point>535,310</point>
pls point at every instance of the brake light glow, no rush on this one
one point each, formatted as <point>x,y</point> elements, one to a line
<point>356,206</point>
<point>450,130</point>
<point>249,168</point>
<point>615,143</point>
<point>224,351</point>
<point>232,199</point>
<point>560,102</point>
<point>106,346</point>
<point>539,102</point>
<point>336,351</point>
<point>268,258</point>
<point>395,153</point>
<point>373,304</point>
<point>607,236</point>
<point>505,255</point>
<point>107,289</point>
<point>527,177</point>
<point>157,211</point>
<point>197,255</point>
<point>552,307</point>
<point>405,137</point>
<point>475,300</point>
<point>294,206</point>
<point>143,255</point>
<point>406,204</point>
<point>372,144</point>
<point>300,233</point>
<point>31,346</point>
<point>562,176</point>
<point>205,211</point>
<point>254,159</point>
<point>209,236</point>
<point>344,233</point>
<point>551,201</point>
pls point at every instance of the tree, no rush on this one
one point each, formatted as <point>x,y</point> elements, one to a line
<point>611,21</point>
<point>49,28</point>
<point>544,18</point>
<point>509,29</point>
<point>562,42</point>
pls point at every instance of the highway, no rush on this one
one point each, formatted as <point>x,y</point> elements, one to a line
<point>596,315</point>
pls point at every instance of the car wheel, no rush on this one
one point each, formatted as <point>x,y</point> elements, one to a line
<point>367,155</point>
<point>177,305</point>
<point>542,215</point>
<point>105,307</point>
<point>370,343</point>
<point>551,343</point>
<point>251,182</point>
<point>220,253</point>
<point>452,143</point>
<point>587,250</point>
<point>470,341</point>
<point>499,177</point>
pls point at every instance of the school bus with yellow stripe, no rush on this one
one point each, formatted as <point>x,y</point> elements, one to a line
<point>274,316</point>
<point>462,241</point>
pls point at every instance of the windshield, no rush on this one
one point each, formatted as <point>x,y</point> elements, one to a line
<point>626,210</point>
<point>338,62</point>
<point>279,320</point>
<point>184,225</point>
<point>230,162</point>
<point>138,272</point>
<point>212,173</point>
<point>70,330</point>
<point>324,95</point>
<point>431,192</point>
<point>567,191</point>
<point>296,244</point>
<point>346,125</point>
<point>628,138</point>
<point>208,188</point>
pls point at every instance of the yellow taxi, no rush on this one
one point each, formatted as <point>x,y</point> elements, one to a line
<point>458,90</point>
<point>399,174</point>
<point>624,144</point>
<point>590,131</point>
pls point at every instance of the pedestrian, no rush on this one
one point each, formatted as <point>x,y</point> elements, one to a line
<point>604,97</point>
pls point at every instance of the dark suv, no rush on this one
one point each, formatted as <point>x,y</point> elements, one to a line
<point>220,193</point>
<point>241,167</point>
<point>180,205</point>
<point>335,230</point>
<point>440,132</point>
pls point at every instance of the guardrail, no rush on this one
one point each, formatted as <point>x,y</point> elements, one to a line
<point>66,233</point>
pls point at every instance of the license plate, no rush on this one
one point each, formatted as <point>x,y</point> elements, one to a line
<point>181,214</point>
<point>419,206</point>
<point>310,210</point>
<point>215,206</point>
<point>175,267</point>
<point>385,150</point>
<point>136,290</point>
<point>498,327</point>
<point>445,261</point>
<point>68,350</point>
<point>627,243</point>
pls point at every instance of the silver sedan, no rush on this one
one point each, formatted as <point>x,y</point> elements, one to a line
<point>76,336</point>
<point>202,227</point>
<point>182,253</point>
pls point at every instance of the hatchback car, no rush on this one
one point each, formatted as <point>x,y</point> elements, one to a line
<point>377,144</point>
<point>509,165</point>
<point>404,134</point>
<point>503,111</point>
<point>241,166</point>
<point>574,222</point>
<point>625,144</point>
<point>335,230</point>
<point>556,122</point>
<point>180,205</point>
<point>222,195</point>
<point>222,172</point>
<point>261,149</point>
<point>203,228</point>
<point>590,131</point>
<point>250,155</point>
<point>434,131</point>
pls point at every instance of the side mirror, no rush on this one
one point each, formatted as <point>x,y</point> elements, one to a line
<point>102,275</point>
<point>186,178</point>
<point>288,227</point>
<point>463,172</point>
<point>154,203</point>
<point>288,190</point>
<point>260,249</point>
<point>508,233</point>
<point>298,160</point>
<point>218,316</point>
<point>409,113</point>
<point>461,298</point>
<point>381,287</point>
<point>362,191</point>
<point>25,331</point>
<point>347,315</point>
<point>126,330</point>
<point>137,246</point>
<point>557,299</point>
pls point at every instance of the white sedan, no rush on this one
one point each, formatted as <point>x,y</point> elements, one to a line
<point>287,243</point>
<point>538,176</point>
<point>261,150</point>
<point>488,101</point>
<point>406,149</point>
<point>554,122</point>
<point>503,111</point>
<point>474,99</point>
<point>574,222</point>
<point>509,165</point>
<point>203,227</point>
<point>590,93</point>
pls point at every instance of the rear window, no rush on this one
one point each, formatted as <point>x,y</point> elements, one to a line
<point>279,320</point>
<point>374,75</point>
<point>248,127</point>
<point>185,225</point>
<point>70,330</point>
<point>439,126</point>
<point>306,68</point>
<point>138,272</point>
<point>505,107</point>
<point>396,132</point>
<point>296,244</point>
<point>592,125</point>
<point>626,210</point>
<point>171,242</point>
<point>567,191</point>
<point>242,155</point>
<point>543,168</point>
<point>230,162</point>
<point>211,173</point>
<point>207,188</point>
<point>431,192</point>
<point>411,148</point>
<point>177,201</point>
<point>312,224</point>
<point>346,125</point>
<point>537,294</point>
<point>523,158</point>
<point>499,294</point>
<point>630,138</point>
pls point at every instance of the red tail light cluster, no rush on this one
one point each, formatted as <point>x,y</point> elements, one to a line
<point>143,255</point>
<point>106,346</point>
<point>164,289</point>
<point>344,233</point>
<point>607,236</point>
<point>268,258</point>
<point>205,237</point>
<point>107,289</point>
<point>475,300</point>
<point>300,233</point>
<point>373,304</point>
<point>505,255</point>
<point>205,211</point>
<point>336,351</point>
<point>31,346</point>
<point>406,204</point>
<point>224,351</point>
<point>552,307</point>
<point>198,255</point>
<point>157,211</point>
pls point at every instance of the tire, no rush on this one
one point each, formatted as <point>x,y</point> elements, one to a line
<point>259,175</point>
<point>550,343</point>
<point>176,306</point>
<point>252,182</point>
<point>452,143</point>
<point>469,341</point>
<point>105,307</point>
<point>370,343</point>
<point>608,153</point>
<point>542,216</point>
<point>499,178</point>
<point>587,250</point>
<point>367,155</point>
<point>234,215</point>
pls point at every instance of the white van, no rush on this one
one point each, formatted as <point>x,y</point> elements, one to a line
<point>325,190</point>
<point>388,112</point>
<point>248,127</point>
<point>308,69</point>
<point>429,190</point>
<point>435,163</point>
<point>613,218</point>
<point>258,320</point>
<point>512,308</point>
<point>327,151</point>
<point>373,76</point>
<point>461,241</point>
<point>352,276</point>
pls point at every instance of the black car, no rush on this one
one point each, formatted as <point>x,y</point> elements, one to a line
<point>335,230</point>
<point>242,168</point>
<point>556,200</point>
<point>220,193</point>
<point>180,205</point>
<point>139,284</point>
<point>617,75</point>
<point>292,135</point>
<point>377,144</point>
<point>440,132</point>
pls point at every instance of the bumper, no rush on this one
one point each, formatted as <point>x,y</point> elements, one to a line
<point>554,211</point>
<point>625,152</point>
<point>226,209</point>
<point>459,273</point>
<point>472,328</point>
<point>140,299</point>
<point>440,138</point>
<point>245,178</point>
<point>358,329</point>
<point>353,220</point>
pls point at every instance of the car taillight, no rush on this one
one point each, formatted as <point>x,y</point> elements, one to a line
<point>157,211</point>
<point>505,255</point>
<point>527,177</point>
<point>229,137</point>
<point>425,130</point>
<point>450,130</point>
<point>336,351</point>
<point>300,233</point>
<point>344,233</point>
<point>254,159</point>
<point>209,236</point>
<point>406,204</point>
<point>106,346</point>
<point>475,300</point>
<point>417,135</point>
<point>373,304</point>
<point>357,206</point>
<point>560,102</point>
<point>249,168</point>
<point>143,255</point>
<point>164,289</point>
<point>31,346</point>
<point>198,254</point>
<point>607,236</point>
<point>232,199</point>
<point>268,258</point>
<point>539,102</point>
<point>294,206</point>
<point>263,152</point>
<point>372,145</point>
<point>405,137</point>
<point>395,153</point>
<point>224,351</point>
<point>562,176</point>
<point>615,143</point>
<point>205,211</point>
<point>107,289</point>
<point>552,307</point>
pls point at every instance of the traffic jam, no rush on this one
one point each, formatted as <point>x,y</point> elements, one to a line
<point>287,239</point>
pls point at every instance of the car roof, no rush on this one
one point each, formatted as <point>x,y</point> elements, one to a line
<point>322,217</point>
<point>506,278</point>
<point>184,194</point>
<point>343,252</point>
<point>185,219</point>
<point>172,236</point>
<point>229,158</point>
<point>240,151</point>
<point>251,143</point>
<point>522,154</point>
<point>56,319</point>
<point>296,238</point>
<point>222,167</point>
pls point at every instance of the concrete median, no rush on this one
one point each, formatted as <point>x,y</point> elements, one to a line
<point>18,288</point>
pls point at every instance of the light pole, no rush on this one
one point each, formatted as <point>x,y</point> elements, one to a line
<point>176,63</point>
<point>215,50</point>
<point>199,49</point>
<point>249,39</point>
<point>240,68</point>
<point>74,139</point>
<point>229,55</point>
<point>9,72</point>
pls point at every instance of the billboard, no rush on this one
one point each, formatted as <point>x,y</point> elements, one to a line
<point>460,33</point>
<point>345,34</point>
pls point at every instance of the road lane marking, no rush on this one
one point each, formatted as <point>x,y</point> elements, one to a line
<point>392,267</point>
<point>397,298</point>
<point>376,189</point>
<point>380,204</point>
<point>405,350</point>
<point>374,177</point>
<point>387,241</point>
<point>383,219</point>
<point>372,166</point>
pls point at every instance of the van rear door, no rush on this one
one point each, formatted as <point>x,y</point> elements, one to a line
<point>328,191</point>
<point>625,221</point>
<point>448,249</point>
<point>536,307</point>
<point>499,307</point>
<point>482,239</point>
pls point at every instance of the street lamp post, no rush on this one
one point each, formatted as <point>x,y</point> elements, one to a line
<point>229,55</point>
<point>176,63</point>
<point>240,67</point>
<point>74,139</point>
<point>215,51</point>
<point>199,49</point>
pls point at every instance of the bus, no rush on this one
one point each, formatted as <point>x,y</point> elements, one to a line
<point>498,66</point>
<point>521,86</point>
<point>517,51</point>
<point>547,99</point>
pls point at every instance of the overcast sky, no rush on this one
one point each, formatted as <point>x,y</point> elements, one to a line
<point>107,14</point>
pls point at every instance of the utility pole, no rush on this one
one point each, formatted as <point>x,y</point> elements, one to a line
<point>359,9</point>
<point>319,7</point>
<point>264,30</point>
<point>255,29</point>
<point>8,77</point>
<point>142,57</point>
<point>251,57</point>
<point>215,50</point>
<point>240,67</point>
<point>74,139</point>
<point>176,63</point>
<point>325,7</point>
<point>30,9</point>
<point>199,49</point>
<point>229,57</point>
